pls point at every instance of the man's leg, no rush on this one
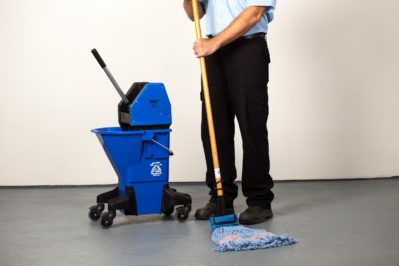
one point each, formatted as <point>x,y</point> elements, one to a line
<point>247,68</point>
<point>224,129</point>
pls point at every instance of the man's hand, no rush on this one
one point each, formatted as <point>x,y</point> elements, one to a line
<point>205,47</point>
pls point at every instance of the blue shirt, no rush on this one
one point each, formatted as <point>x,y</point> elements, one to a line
<point>220,13</point>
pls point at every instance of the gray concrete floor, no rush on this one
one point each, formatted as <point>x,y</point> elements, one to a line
<point>336,222</point>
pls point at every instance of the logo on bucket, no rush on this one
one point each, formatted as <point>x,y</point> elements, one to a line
<point>156,169</point>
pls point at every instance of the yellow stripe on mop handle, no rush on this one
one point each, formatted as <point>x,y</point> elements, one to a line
<point>221,218</point>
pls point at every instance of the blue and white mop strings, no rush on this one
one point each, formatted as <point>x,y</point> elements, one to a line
<point>239,238</point>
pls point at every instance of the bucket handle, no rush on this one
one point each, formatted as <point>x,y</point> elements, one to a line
<point>162,146</point>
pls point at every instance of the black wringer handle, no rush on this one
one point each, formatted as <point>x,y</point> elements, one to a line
<point>110,76</point>
<point>98,58</point>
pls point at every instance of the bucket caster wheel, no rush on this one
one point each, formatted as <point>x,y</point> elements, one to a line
<point>169,212</point>
<point>182,213</point>
<point>107,219</point>
<point>95,211</point>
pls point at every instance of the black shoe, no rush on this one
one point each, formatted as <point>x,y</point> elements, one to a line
<point>210,210</point>
<point>255,215</point>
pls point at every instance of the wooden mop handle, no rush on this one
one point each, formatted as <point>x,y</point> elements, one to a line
<point>211,128</point>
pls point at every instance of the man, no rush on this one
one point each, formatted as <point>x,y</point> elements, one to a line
<point>237,59</point>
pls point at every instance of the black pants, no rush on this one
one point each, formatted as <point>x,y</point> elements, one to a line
<point>238,75</point>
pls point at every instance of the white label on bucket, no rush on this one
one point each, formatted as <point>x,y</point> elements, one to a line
<point>156,169</point>
<point>217,173</point>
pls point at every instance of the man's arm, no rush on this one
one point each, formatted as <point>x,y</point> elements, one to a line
<point>188,7</point>
<point>242,24</point>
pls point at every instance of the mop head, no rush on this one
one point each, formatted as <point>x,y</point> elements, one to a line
<point>239,238</point>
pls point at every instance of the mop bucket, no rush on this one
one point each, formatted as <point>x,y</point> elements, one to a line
<point>139,163</point>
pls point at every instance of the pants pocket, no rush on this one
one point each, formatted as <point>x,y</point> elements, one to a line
<point>258,111</point>
<point>264,49</point>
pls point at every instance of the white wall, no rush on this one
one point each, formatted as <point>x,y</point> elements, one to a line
<point>333,91</point>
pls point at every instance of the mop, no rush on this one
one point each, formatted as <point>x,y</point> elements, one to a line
<point>226,231</point>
